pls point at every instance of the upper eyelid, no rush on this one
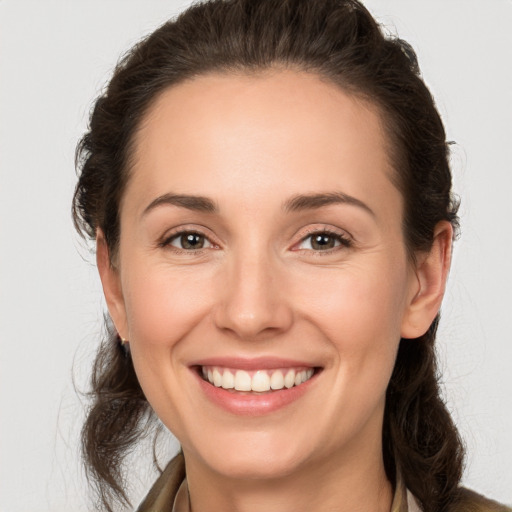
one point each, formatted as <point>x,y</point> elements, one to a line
<point>175,232</point>
<point>342,233</point>
<point>345,241</point>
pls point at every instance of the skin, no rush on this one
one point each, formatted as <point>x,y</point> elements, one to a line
<point>259,288</point>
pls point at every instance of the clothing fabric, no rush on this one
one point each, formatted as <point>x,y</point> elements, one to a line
<point>402,501</point>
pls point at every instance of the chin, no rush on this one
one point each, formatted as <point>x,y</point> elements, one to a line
<point>256,457</point>
<point>264,466</point>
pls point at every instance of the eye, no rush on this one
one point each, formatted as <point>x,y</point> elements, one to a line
<point>323,241</point>
<point>189,241</point>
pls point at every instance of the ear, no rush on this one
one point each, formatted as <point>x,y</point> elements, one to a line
<point>428,284</point>
<point>111,282</point>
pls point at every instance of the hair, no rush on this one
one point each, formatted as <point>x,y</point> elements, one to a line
<point>339,41</point>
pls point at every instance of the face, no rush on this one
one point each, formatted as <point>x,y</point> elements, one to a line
<point>262,248</point>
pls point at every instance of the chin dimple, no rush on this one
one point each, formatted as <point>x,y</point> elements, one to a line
<point>258,381</point>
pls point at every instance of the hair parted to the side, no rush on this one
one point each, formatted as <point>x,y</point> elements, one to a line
<point>341,42</point>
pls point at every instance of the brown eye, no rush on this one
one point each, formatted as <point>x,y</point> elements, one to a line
<point>323,241</point>
<point>189,241</point>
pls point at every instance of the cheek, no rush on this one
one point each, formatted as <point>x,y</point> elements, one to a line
<point>163,305</point>
<point>358,297</point>
<point>359,310</point>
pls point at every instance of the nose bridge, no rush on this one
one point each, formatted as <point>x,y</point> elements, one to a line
<point>253,300</point>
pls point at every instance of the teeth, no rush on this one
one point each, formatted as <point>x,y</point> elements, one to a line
<point>277,380</point>
<point>228,380</point>
<point>289,380</point>
<point>243,381</point>
<point>217,378</point>
<point>260,381</point>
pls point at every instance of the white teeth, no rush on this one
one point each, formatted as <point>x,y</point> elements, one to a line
<point>277,380</point>
<point>289,380</point>
<point>259,381</point>
<point>228,380</point>
<point>217,378</point>
<point>243,381</point>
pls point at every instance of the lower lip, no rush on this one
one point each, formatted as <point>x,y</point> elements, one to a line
<point>253,404</point>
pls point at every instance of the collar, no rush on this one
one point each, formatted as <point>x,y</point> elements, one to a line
<point>403,500</point>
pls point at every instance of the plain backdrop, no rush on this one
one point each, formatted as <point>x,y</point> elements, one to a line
<point>55,57</point>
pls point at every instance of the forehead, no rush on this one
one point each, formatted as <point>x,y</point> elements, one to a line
<point>273,129</point>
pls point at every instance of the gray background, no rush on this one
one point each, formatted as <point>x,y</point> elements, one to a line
<point>55,57</point>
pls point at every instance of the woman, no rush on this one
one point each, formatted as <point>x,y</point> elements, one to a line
<point>268,187</point>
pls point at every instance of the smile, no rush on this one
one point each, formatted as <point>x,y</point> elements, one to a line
<point>261,381</point>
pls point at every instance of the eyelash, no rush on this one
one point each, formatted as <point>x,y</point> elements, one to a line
<point>344,241</point>
<point>167,241</point>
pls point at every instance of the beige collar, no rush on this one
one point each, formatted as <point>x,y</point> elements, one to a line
<point>403,500</point>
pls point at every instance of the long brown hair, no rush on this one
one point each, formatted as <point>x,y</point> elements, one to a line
<point>339,41</point>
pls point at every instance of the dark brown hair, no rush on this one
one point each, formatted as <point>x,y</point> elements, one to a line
<point>341,42</point>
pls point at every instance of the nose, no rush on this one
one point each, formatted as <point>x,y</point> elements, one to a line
<point>254,304</point>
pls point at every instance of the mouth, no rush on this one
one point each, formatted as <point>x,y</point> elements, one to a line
<point>259,381</point>
<point>254,386</point>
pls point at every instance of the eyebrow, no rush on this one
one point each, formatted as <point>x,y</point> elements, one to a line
<point>296,203</point>
<point>195,203</point>
<point>314,201</point>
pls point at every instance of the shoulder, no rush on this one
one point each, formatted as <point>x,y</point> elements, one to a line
<point>470,501</point>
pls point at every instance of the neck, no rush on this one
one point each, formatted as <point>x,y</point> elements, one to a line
<point>342,482</point>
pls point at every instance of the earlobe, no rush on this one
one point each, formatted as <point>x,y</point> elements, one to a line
<point>427,288</point>
<point>111,283</point>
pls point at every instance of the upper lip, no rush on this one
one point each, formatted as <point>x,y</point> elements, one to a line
<point>253,363</point>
